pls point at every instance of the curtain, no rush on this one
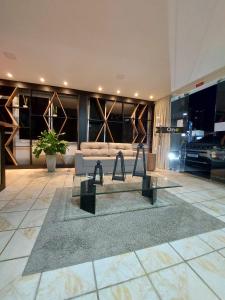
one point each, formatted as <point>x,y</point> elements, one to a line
<point>161,142</point>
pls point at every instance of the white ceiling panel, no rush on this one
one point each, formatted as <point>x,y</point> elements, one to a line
<point>145,46</point>
<point>116,44</point>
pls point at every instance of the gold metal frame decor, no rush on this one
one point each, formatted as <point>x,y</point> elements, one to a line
<point>140,124</point>
<point>46,112</point>
<point>135,131</point>
<point>138,131</point>
<point>15,125</point>
<point>105,120</point>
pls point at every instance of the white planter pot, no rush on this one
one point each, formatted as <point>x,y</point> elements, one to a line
<point>51,162</point>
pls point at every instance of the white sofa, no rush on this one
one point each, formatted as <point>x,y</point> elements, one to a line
<point>90,152</point>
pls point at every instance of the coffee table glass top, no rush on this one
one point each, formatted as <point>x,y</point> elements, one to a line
<point>129,185</point>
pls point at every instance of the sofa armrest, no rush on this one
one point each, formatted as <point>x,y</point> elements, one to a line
<point>78,162</point>
<point>78,152</point>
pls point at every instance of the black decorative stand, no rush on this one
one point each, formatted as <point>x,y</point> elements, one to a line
<point>88,196</point>
<point>98,173</point>
<point>121,174</point>
<point>148,190</point>
<point>140,148</point>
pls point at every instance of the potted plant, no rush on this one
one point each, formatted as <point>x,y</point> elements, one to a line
<point>49,143</point>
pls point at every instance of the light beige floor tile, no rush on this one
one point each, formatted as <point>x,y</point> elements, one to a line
<point>215,206</point>
<point>115,269</point>
<point>67,282</point>
<point>3,203</point>
<point>50,190</point>
<point>10,221</point>
<point>27,194</point>
<point>191,247</point>
<point>10,270</point>
<point>22,288</point>
<point>21,244</point>
<point>222,252</point>
<point>192,197</point>
<point>221,218</point>
<point>211,268</point>
<point>221,200</point>
<point>5,196</point>
<point>216,238</point>
<point>91,296</point>
<point>13,285</point>
<point>34,218</point>
<point>206,209</point>
<point>42,203</point>
<point>158,257</point>
<point>136,289</point>
<point>180,282</point>
<point>18,205</point>
<point>4,238</point>
<point>215,193</point>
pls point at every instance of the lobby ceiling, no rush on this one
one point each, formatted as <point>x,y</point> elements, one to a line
<point>151,47</point>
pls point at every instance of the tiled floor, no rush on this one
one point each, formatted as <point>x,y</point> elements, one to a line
<point>191,268</point>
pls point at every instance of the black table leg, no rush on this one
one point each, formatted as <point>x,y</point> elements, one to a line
<point>88,196</point>
<point>148,190</point>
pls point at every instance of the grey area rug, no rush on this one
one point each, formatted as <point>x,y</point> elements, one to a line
<point>112,204</point>
<point>70,236</point>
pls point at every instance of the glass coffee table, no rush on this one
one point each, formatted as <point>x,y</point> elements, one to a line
<point>85,188</point>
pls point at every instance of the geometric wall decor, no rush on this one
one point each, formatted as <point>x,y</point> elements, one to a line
<point>105,118</point>
<point>140,124</point>
<point>135,116</point>
<point>14,125</point>
<point>135,131</point>
<point>51,110</point>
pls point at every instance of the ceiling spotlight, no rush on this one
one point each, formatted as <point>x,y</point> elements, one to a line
<point>65,83</point>
<point>151,97</point>
<point>118,91</point>
<point>9,75</point>
<point>42,79</point>
<point>100,89</point>
<point>136,95</point>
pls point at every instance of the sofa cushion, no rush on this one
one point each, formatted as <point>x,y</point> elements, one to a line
<point>120,146</point>
<point>126,149</point>
<point>94,149</point>
<point>93,145</point>
<point>95,152</point>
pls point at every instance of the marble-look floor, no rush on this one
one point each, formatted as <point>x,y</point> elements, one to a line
<point>191,268</point>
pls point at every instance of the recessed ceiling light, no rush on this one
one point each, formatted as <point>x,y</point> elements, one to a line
<point>42,79</point>
<point>100,89</point>
<point>118,91</point>
<point>136,95</point>
<point>9,75</point>
<point>65,83</point>
<point>151,97</point>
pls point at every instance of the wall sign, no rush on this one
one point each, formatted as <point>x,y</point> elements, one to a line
<point>170,129</point>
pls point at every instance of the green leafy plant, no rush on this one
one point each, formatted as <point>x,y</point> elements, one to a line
<point>49,143</point>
